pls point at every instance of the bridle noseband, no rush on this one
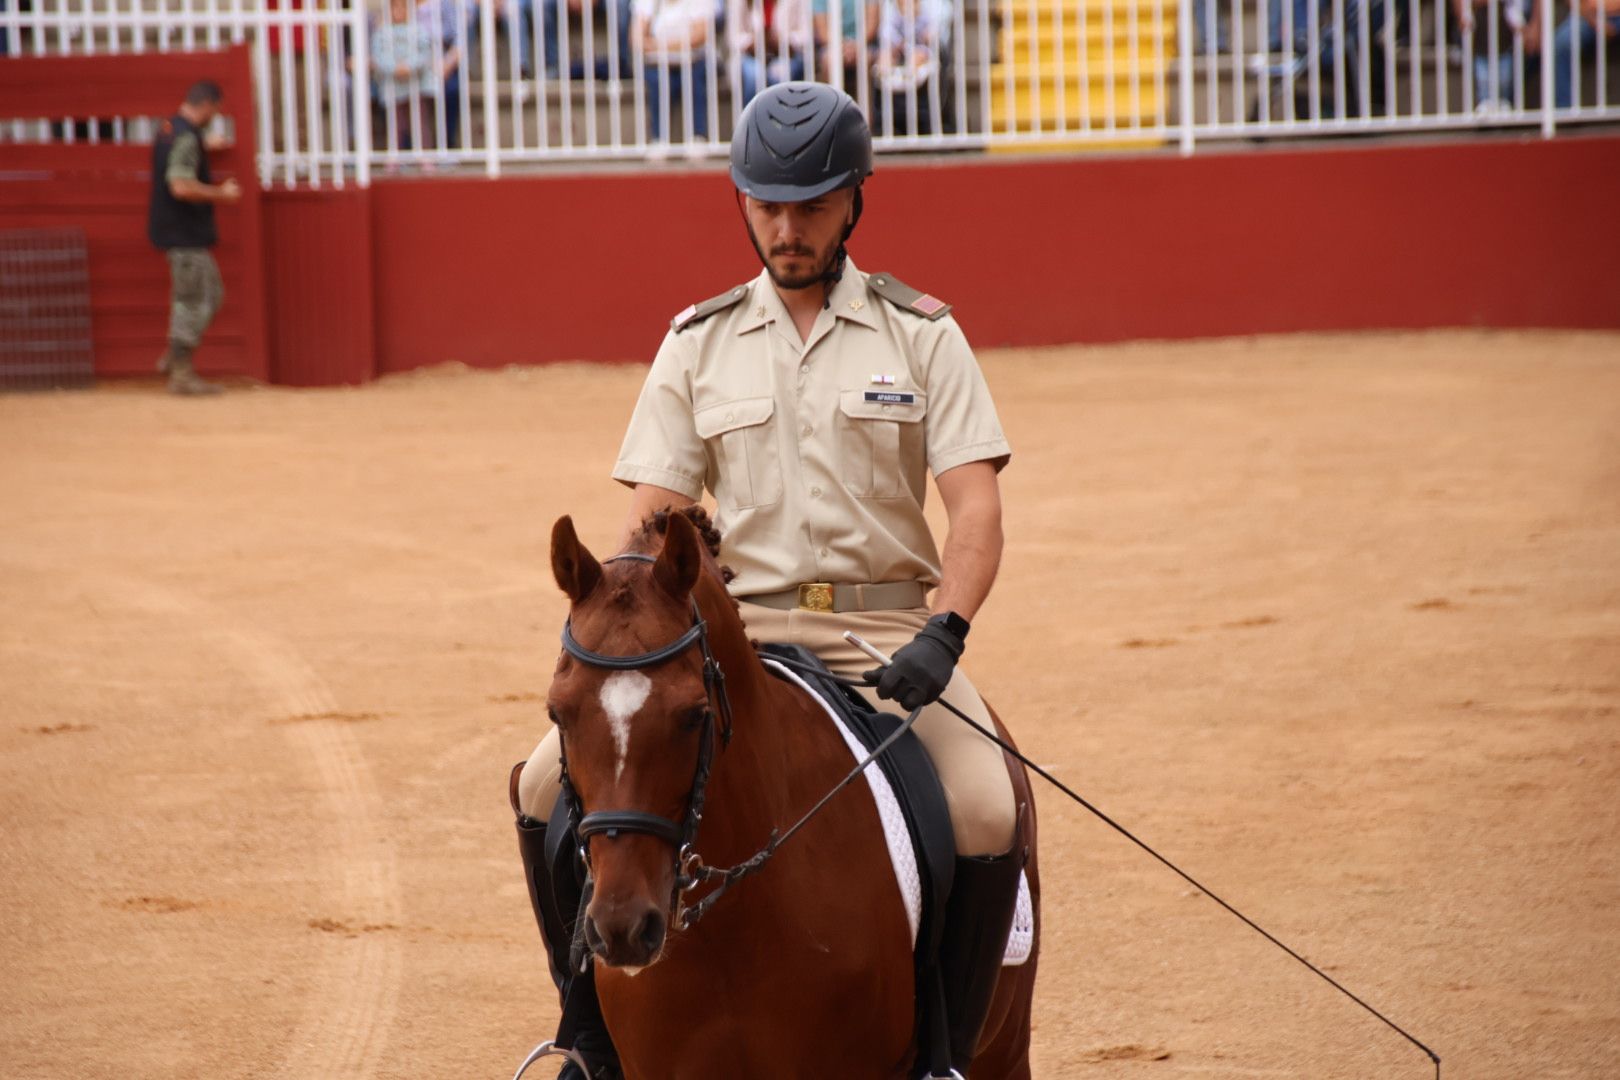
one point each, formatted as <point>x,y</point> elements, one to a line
<point>611,823</point>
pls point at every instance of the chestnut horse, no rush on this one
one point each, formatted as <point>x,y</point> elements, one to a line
<point>805,968</point>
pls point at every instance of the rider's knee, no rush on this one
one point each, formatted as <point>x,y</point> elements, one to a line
<point>540,782</point>
<point>983,814</point>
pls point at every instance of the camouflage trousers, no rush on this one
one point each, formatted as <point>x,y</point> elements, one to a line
<point>196,291</point>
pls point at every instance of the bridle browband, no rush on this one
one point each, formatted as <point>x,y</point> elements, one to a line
<point>611,823</point>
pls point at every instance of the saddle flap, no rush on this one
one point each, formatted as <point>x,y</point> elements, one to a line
<point>911,775</point>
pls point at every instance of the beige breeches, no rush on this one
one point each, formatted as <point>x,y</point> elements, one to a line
<point>971,767</point>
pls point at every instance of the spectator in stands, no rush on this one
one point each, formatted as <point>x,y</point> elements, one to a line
<point>1586,28</point>
<point>402,51</point>
<point>449,23</point>
<point>769,39</point>
<point>518,18</point>
<point>1301,25</point>
<point>676,39</point>
<point>911,38</point>
<point>180,221</point>
<point>858,26</point>
<point>1494,76</point>
<point>1206,20</point>
<point>611,16</point>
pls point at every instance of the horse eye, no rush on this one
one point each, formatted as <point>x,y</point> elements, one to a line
<point>693,718</point>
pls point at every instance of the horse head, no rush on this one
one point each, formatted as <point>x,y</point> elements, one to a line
<point>636,701</point>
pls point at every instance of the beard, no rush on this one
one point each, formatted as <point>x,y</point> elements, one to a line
<point>820,263</point>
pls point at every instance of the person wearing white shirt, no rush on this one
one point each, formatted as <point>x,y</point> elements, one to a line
<point>676,39</point>
<point>770,42</point>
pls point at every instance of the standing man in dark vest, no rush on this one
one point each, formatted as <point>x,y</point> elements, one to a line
<point>181,222</point>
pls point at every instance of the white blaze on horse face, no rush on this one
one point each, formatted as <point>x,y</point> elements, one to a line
<point>623,695</point>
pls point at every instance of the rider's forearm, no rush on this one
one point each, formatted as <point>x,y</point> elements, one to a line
<point>972,557</point>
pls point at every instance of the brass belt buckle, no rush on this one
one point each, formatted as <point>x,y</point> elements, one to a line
<point>816,596</point>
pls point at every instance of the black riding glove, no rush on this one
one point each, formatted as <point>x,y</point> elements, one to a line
<point>921,668</point>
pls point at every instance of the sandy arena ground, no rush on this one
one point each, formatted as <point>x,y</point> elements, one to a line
<point>1334,621</point>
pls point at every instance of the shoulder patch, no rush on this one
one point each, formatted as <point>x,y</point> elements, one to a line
<point>904,296</point>
<point>696,313</point>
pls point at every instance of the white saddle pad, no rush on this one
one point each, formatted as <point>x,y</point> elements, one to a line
<point>1021,939</point>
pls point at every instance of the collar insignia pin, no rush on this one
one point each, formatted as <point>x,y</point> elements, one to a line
<point>856,304</point>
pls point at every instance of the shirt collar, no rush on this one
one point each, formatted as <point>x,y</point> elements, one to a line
<point>849,300</point>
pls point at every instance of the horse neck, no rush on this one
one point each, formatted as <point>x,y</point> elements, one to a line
<point>781,747</point>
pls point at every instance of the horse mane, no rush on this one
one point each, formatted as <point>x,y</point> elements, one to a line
<point>656,524</point>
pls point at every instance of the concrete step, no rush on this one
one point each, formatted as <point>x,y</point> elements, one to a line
<point>1094,31</point>
<point>1023,56</point>
<point>1070,10</point>
<point>1088,107</point>
<point>1146,70</point>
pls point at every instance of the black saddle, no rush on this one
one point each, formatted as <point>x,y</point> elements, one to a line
<point>916,785</point>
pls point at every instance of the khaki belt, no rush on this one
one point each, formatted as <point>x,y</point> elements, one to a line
<point>826,596</point>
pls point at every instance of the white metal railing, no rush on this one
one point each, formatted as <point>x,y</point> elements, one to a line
<point>346,86</point>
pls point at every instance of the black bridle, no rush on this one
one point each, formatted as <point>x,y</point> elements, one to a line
<point>611,823</point>
<point>690,869</point>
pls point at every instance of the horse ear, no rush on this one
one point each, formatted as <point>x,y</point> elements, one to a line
<point>678,565</point>
<point>576,569</point>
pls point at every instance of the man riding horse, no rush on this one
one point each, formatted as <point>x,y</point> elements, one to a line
<point>812,401</point>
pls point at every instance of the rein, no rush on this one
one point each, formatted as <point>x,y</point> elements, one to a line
<point>996,738</point>
<point>692,871</point>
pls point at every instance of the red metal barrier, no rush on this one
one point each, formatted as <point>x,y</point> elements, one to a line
<point>1505,233</point>
<point>103,188</point>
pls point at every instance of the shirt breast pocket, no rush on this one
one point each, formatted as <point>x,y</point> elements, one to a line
<point>741,441</point>
<point>881,441</point>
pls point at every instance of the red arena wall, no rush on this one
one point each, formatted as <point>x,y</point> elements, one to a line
<point>336,286</point>
<point>1498,233</point>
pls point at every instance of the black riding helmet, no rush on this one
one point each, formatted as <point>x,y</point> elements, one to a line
<point>798,140</point>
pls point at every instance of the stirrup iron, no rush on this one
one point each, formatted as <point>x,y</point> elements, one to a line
<point>549,1048</point>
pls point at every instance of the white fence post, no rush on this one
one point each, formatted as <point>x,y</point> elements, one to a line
<point>1549,59</point>
<point>360,85</point>
<point>486,52</point>
<point>1184,71</point>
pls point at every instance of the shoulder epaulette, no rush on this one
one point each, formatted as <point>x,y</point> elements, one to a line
<point>698,312</point>
<point>904,296</point>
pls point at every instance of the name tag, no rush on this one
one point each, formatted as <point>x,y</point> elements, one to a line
<point>890,397</point>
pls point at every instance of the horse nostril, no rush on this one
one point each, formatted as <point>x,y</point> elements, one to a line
<point>651,934</point>
<point>593,938</point>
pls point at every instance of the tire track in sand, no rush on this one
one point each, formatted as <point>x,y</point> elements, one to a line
<point>346,1021</point>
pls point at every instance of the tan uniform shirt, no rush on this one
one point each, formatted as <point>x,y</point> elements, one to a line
<point>816,451</point>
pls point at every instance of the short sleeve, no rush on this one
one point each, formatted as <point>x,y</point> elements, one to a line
<point>961,422</point>
<point>661,445</point>
<point>184,157</point>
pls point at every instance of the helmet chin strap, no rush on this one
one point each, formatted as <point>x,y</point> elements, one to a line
<point>835,270</point>
<point>835,273</point>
